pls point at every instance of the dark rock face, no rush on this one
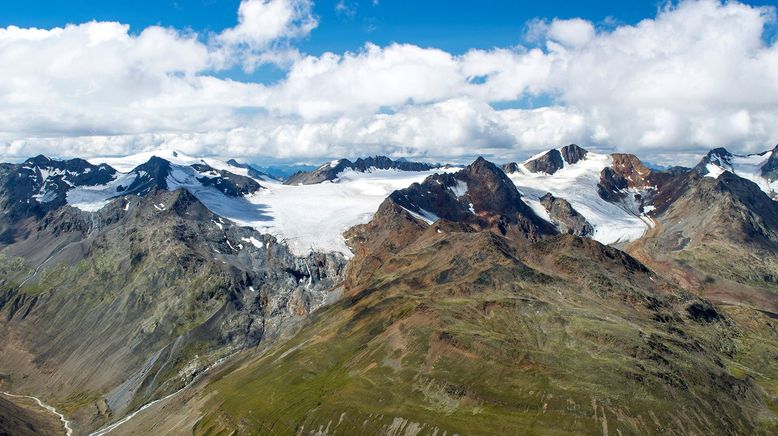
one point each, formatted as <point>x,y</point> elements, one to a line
<point>573,153</point>
<point>230,184</point>
<point>152,174</point>
<point>770,168</point>
<point>510,167</point>
<point>611,183</point>
<point>330,171</point>
<point>566,217</point>
<point>40,184</point>
<point>549,163</point>
<point>480,195</point>
<point>703,311</point>
<point>759,219</point>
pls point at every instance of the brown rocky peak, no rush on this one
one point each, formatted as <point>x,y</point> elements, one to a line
<point>632,170</point>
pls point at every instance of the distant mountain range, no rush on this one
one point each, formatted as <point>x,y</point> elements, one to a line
<point>573,292</point>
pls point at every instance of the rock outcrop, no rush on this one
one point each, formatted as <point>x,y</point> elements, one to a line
<point>567,219</point>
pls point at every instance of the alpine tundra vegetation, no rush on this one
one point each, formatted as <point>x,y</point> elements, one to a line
<point>364,217</point>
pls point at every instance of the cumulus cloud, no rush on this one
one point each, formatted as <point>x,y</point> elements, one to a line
<point>699,74</point>
<point>260,22</point>
<point>264,30</point>
<point>574,32</point>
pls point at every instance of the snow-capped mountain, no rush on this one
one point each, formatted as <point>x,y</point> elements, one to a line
<point>40,184</point>
<point>609,198</point>
<point>479,195</point>
<point>171,171</point>
<point>307,217</point>
<point>611,192</point>
<point>760,168</point>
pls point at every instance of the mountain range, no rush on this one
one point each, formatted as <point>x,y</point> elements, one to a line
<point>573,292</point>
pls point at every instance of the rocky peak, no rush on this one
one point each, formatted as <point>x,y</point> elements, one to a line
<point>718,156</point>
<point>770,168</point>
<point>233,185</point>
<point>330,171</point>
<point>39,160</point>
<point>490,190</point>
<point>549,163</point>
<point>75,171</point>
<point>510,167</point>
<point>626,172</point>
<point>636,174</point>
<point>40,184</point>
<point>152,174</point>
<point>573,153</point>
<point>749,194</point>
<point>480,195</point>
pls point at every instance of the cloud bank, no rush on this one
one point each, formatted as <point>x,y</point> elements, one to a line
<point>697,75</point>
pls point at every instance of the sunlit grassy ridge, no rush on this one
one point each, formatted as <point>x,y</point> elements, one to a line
<point>461,333</point>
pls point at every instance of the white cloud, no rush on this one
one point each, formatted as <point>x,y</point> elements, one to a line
<point>264,24</point>
<point>357,82</point>
<point>575,32</point>
<point>697,75</point>
<point>260,22</point>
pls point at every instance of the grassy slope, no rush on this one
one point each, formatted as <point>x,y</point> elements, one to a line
<point>138,288</point>
<point>458,334</point>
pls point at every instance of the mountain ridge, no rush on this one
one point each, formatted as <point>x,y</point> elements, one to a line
<point>450,326</point>
<point>330,171</point>
<point>455,271</point>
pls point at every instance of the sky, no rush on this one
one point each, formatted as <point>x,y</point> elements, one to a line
<point>304,81</point>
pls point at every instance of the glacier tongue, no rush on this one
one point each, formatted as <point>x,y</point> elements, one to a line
<point>314,217</point>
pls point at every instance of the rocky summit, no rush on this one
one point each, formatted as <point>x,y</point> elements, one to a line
<point>572,293</point>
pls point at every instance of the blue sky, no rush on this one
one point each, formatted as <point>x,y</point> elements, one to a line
<point>455,26</point>
<point>439,80</point>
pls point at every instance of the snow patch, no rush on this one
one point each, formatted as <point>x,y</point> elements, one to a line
<point>424,215</point>
<point>460,189</point>
<point>714,170</point>
<point>253,241</point>
<point>94,198</point>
